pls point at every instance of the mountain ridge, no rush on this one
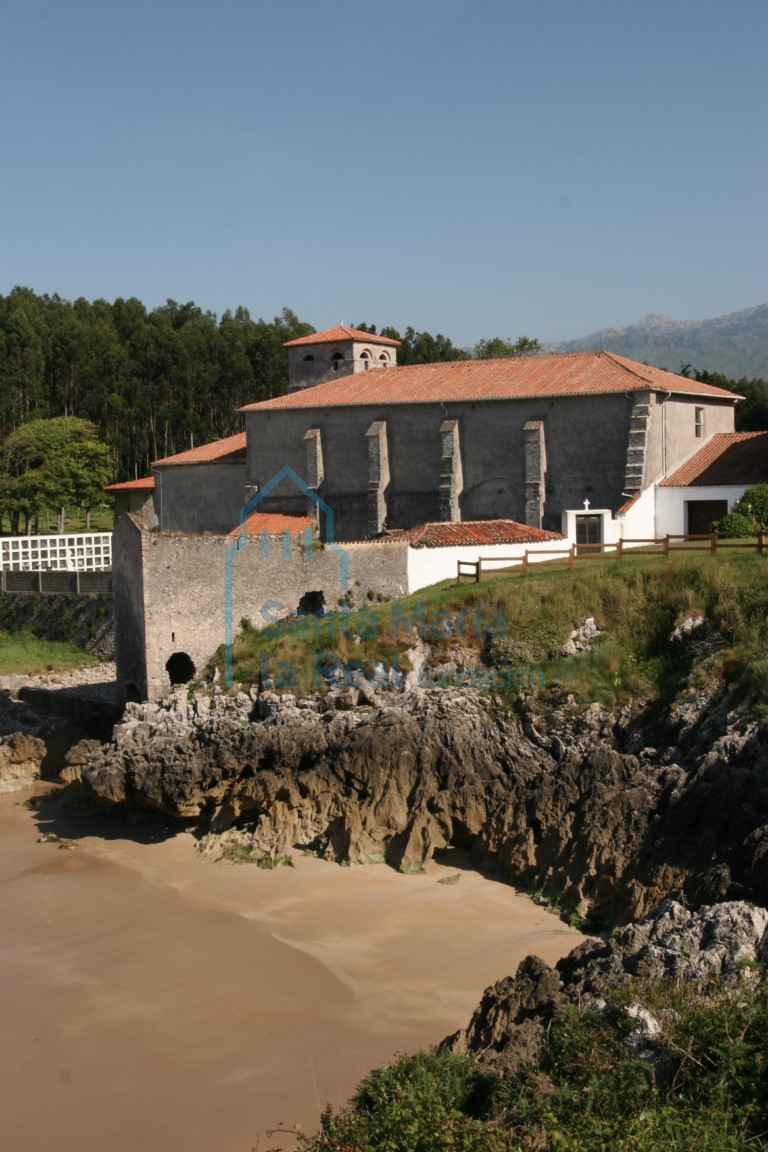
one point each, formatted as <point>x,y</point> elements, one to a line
<point>735,344</point>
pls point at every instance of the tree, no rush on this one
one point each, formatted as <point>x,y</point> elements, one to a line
<point>498,349</point>
<point>754,503</point>
<point>52,464</point>
<point>752,412</point>
<point>419,347</point>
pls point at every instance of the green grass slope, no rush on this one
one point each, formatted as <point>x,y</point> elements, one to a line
<point>508,631</point>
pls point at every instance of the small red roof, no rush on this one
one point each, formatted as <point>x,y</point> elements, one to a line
<point>342,332</point>
<point>626,507</point>
<point>727,458</point>
<point>455,533</point>
<point>518,378</point>
<point>230,450</point>
<point>145,484</point>
<point>273,524</point>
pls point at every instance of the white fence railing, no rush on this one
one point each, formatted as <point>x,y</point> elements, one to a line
<point>83,552</point>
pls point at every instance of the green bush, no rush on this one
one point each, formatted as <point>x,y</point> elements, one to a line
<point>735,521</point>
<point>698,1086</point>
<point>528,645</point>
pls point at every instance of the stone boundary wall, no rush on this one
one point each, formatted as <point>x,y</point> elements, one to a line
<point>55,583</point>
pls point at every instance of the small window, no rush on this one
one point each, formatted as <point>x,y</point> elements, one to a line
<point>336,360</point>
<point>366,359</point>
<point>699,423</point>
<point>385,358</point>
<point>308,356</point>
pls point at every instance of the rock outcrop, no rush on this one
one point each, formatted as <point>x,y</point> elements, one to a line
<point>20,759</point>
<point>713,944</point>
<point>577,804</point>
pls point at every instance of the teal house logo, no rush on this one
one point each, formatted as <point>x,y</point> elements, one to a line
<point>265,542</point>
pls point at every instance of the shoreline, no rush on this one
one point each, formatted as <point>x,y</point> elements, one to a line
<point>153,996</point>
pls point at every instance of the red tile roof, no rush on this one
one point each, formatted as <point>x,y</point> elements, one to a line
<point>342,332</point>
<point>454,533</point>
<point>727,458</point>
<point>523,377</point>
<point>230,450</point>
<point>626,507</point>
<point>145,484</point>
<point>273,524</point>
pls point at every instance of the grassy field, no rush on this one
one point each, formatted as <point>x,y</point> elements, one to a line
<point>513,622</point>
<point>102,520</point>
<point>24,654</point>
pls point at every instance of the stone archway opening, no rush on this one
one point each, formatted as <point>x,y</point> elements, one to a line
<point>180,668</point>
<point>312,604</point>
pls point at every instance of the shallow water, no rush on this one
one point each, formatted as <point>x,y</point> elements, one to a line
<point>150,999</point>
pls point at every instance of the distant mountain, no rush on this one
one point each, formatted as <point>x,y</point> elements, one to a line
<point>736,345</point>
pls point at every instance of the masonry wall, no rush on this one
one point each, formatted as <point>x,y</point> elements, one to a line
<point>128,597</point>
<point>673,437</point>
<point>580,433</point>
<point>199,497</point>
<point>174,592</point>
<point>321,367</point>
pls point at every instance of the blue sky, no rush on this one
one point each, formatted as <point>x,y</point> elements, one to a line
<point>473,167</point>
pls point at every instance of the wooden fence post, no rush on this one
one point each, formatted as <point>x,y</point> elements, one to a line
<point>713,542</point>
<point>458,571</point>
<point>618,549</point>
<point>761,540</point>
<point>525,562</point>
<point>571,557</point>
<point>666,546</point>
<point>478,569</point>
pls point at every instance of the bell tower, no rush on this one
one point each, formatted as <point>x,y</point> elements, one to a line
<point>339,351</point>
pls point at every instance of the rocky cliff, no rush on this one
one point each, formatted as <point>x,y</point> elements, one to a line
<point>579,805</point>
<point>722,944</point>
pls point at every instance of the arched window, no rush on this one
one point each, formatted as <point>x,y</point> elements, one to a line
<point>365,356</point>
<point>384,358</point>
<point>336,360</point>
<point>308,356</point>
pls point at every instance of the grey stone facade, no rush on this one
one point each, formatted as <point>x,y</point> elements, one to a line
<point>588,447</point>
<point>172,595</point>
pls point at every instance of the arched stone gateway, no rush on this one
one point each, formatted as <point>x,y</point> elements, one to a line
<point>180,668</point>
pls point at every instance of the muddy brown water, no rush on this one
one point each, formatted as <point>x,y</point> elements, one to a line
<point>151,999</point>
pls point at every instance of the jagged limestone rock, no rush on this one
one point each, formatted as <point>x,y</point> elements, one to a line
<point>578,804</point>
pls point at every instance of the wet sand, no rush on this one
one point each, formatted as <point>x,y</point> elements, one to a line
<point>150,999</point>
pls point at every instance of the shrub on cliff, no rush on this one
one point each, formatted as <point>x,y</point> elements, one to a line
<point>654,1065</point>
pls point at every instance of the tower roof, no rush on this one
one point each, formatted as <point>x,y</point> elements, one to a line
<point>342,332</point>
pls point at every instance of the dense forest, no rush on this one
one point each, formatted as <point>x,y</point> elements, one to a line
<point>153,382</point>
<point>157,381</point>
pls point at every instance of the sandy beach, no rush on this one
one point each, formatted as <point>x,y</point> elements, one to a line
<point>151,999</point>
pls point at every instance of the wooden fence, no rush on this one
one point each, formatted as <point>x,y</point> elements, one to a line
<point>660,546</point>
